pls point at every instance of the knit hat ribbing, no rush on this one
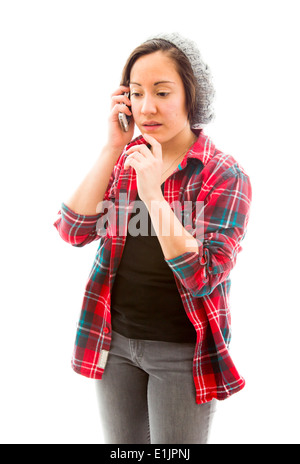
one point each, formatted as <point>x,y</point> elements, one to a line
<point>205,92</point>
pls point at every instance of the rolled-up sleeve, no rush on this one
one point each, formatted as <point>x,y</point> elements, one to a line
<point>223,220</point>
<point>76,229</point>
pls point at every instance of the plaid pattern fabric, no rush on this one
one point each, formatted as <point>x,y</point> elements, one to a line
<point>205,175</point>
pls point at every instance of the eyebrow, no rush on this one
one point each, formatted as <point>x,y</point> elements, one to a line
<point>156,83</point>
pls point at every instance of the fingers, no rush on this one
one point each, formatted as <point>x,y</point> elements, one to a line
<point>156,146</point>
<point>134,160</point>
<point>142,150</point>
<point>120,99</point>
<point>120,102</point>
<point>120,108</point>
<point>119,105</point>
<point>122,89</point>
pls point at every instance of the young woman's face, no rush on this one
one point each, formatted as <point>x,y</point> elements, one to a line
<point>158,98</point>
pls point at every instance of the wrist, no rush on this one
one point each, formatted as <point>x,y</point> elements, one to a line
<point>155,198</point>
<point>113,152</point>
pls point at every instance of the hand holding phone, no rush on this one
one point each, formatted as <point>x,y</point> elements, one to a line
<point>118,138</point>
<point>123,118</point>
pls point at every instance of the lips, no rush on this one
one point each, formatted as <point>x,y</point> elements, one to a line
<point>151,124</point>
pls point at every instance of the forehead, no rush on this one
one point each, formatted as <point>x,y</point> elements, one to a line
<point>156,67</point>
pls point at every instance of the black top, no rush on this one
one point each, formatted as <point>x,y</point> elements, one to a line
<point>146,303</point>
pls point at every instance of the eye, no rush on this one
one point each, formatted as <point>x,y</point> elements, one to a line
<point>163,94</point>
<point>135,94</point>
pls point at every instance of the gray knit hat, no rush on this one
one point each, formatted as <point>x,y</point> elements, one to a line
<point>205,92</point>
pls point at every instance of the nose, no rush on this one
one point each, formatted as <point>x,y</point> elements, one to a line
<point>148,106</point>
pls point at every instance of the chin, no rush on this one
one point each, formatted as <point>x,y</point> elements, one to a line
<point>161,138</point>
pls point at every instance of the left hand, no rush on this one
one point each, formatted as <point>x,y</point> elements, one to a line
<point>148,166</point>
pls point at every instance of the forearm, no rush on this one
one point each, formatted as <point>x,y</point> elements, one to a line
<point>174,239</point>
<point>92,189</point>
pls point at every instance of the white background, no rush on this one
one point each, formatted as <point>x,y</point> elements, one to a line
<point>60,62</point>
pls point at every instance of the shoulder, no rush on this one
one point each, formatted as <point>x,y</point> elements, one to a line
<point>218,163</point>
<point>221,168</point>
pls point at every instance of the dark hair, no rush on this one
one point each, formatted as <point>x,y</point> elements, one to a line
<point>182,63</point>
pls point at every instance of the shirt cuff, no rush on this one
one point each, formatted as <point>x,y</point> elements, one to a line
<point>87,219</point>
<point>189,268</point>
<point>76,229</point>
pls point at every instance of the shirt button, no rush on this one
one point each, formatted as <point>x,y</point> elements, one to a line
<point>106,330</point>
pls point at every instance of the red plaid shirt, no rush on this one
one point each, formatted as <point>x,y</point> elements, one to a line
<point>206,175</point>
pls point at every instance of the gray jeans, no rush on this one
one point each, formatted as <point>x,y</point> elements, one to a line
<point>147,394</point>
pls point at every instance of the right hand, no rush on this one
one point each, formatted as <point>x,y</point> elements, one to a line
<point>117,138</point>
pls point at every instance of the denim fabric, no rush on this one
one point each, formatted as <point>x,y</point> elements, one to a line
<point>147,394</point>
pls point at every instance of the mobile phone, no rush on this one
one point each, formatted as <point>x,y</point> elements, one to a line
<point>123,118</point>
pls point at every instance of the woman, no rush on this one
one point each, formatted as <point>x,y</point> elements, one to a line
<point>155,323</point>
